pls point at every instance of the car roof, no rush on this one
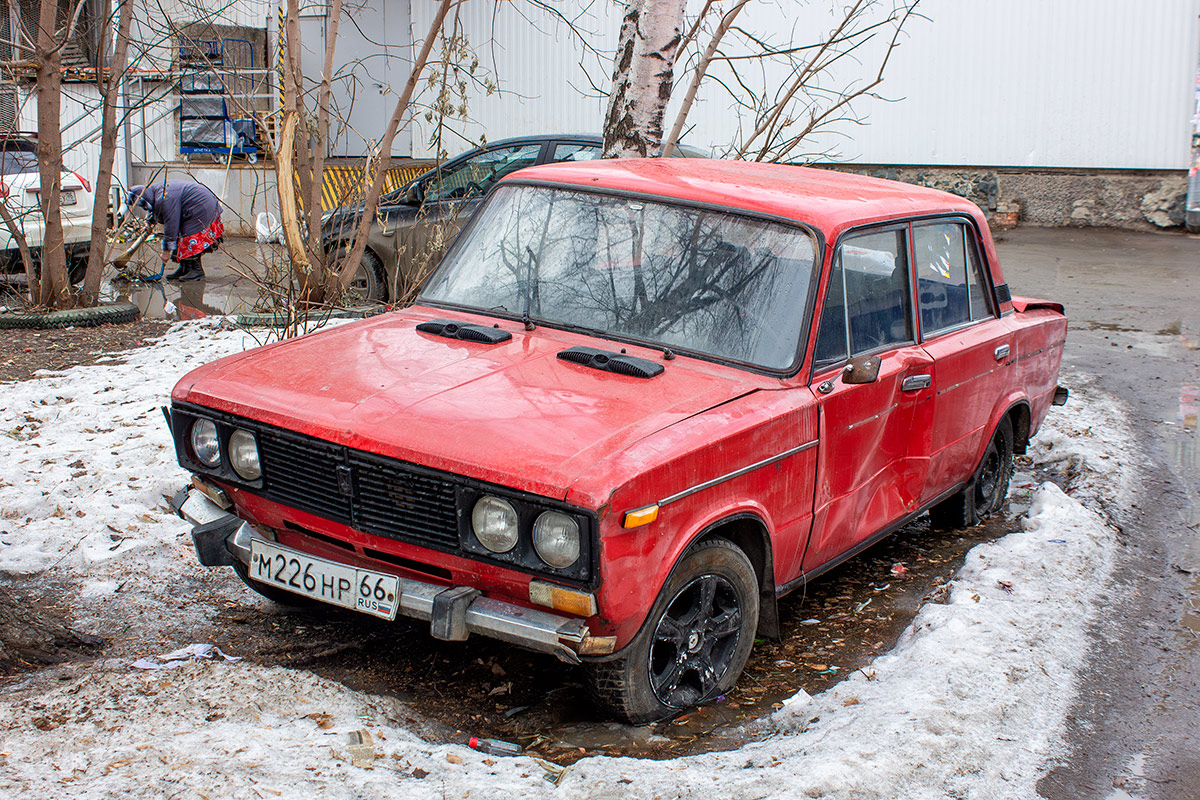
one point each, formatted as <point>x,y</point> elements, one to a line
<point>828,200</point>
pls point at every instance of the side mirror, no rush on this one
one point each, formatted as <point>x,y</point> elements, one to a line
<point>864,369</point>
<point>415,194</point>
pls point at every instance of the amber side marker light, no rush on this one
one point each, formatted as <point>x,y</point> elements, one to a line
<point>640,516</point>
<point>213,493</point>
<point>560,598</point>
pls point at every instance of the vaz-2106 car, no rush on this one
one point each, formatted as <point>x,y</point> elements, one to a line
<point>638,403</point>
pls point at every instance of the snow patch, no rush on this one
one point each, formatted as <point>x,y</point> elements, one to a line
<point>971,702</point>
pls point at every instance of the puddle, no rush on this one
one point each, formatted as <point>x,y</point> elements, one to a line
<point>175,301</point>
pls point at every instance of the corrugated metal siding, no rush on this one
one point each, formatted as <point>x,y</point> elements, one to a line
<point>81,128</point>
<point>536,61</point>
<point>1072,83</point>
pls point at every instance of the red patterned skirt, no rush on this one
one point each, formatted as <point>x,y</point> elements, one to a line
<point>196,243</point>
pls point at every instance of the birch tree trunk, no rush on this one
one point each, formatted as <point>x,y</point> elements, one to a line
<point>643,71</point>
<point>55,286</point>
<point>109,81</point>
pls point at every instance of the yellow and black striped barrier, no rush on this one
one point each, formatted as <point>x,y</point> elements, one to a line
<point>347,184</point>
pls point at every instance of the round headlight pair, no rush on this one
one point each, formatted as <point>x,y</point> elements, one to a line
<point>243,450</point>
<point>555,535</point>
<point>205,444</point>
<point>556,539</point>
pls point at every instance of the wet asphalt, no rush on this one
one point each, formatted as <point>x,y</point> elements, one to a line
<point>1133,300</point>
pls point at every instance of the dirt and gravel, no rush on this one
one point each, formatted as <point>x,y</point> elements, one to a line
<point>24,352</point>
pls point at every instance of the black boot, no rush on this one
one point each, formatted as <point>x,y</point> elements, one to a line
<point>196,274</point>
<point>179,273</point>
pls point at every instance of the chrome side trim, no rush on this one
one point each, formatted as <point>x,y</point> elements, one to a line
<point>699,487</point>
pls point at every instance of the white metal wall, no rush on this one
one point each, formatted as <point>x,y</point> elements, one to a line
<point>1069,83</point>
<point>536,60</point>
<point>81,119</point>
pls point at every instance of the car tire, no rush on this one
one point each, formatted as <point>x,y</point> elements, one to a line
<point>112,313</point>
<point>985,493</point>
<point>694,643</point>
<point>284,598</point>
<point>77,269</point>
<point>370,283</point>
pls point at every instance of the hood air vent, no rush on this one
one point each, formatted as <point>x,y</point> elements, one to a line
<point>465,331</point>
<point>612,362</point>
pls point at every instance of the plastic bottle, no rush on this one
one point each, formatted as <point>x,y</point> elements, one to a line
<point>496,747</point>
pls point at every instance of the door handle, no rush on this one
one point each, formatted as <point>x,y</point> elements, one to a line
<point>1001,352</point>
<point>914,383</point>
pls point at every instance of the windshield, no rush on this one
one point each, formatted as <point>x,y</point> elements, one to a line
<point>691,279</point>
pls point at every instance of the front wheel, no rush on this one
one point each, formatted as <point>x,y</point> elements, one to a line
<point>693,645</point>
<point>370,281</point>
<point>984,495</point>
<point>281,596</point>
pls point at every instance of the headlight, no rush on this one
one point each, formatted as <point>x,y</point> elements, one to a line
<point>495,524</point>
<point>556,539</point>
<point>205,445</point>
<point>243,455</point>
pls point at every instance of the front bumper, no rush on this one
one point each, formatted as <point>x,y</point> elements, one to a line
<point>454,612</point>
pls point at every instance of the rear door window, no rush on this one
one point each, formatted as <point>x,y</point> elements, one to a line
<point>950,287</point>
<point>575,152</point>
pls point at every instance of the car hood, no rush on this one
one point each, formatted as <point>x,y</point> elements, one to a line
<point>511,413</point>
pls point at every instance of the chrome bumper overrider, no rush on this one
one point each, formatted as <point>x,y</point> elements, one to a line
<point>452,611</point>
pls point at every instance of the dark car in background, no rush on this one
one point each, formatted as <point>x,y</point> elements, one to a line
<point>416,223</point>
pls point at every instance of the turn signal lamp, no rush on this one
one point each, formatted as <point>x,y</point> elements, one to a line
<point>640,516</point>
<point>560,598</point>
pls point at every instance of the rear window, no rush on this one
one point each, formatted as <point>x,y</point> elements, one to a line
<point>17,162</point>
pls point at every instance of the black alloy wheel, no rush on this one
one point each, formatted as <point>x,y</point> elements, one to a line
<point>694,643</point>
<point>985,494</point>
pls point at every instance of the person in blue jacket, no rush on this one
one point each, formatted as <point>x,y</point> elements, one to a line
<point>191,218</point>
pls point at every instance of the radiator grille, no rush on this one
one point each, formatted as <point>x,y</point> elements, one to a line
<point>389,498</point>
<point>401,503</point>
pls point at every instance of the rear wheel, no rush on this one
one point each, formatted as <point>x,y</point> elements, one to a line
<point>694,643</point>
<point>984,495</point>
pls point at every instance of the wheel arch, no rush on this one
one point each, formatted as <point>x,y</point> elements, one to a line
<point>1020,415</point>
<point>749,533</point>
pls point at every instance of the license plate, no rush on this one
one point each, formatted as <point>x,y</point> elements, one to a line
<point>67,199</point>
<point>362,590</point>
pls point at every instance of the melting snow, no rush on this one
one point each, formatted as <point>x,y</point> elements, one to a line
<point>970,703</point>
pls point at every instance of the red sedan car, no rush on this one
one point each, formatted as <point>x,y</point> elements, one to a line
<point>638,403</point>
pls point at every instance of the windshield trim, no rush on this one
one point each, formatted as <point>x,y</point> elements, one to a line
<point>800,352</point>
